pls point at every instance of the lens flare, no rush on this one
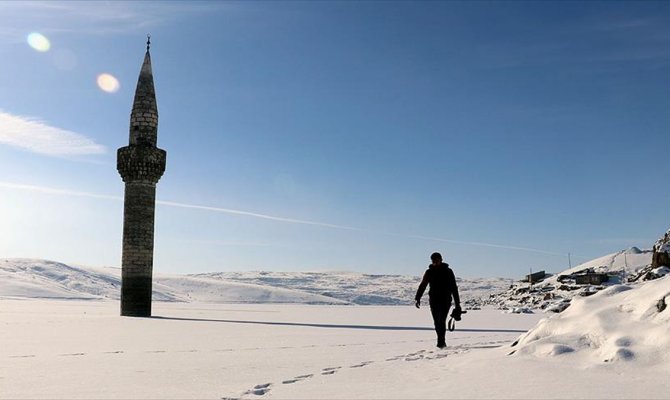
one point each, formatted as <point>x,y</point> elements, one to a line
<point>39,42</point>
<point>108,83</point>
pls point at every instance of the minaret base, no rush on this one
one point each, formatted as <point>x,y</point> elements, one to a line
<point>136,296</point>
<point>138,249</point>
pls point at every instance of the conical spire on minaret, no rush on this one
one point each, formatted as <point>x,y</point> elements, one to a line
<point>144,116</point>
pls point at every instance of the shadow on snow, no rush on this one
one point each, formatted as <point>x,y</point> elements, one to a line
<point>336,326</point>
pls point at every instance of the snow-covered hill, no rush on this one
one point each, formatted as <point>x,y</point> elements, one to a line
<point>356,288</point>
<point>48,279</point>
<point>33,278</point>
<point>555,292</point>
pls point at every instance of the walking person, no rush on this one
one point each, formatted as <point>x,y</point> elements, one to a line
<point>442,288</point>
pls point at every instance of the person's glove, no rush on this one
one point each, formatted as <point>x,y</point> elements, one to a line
<point>417,303</point>
<point>456,313</point>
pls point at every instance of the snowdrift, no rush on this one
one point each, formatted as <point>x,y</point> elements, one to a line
<point>622,323</point>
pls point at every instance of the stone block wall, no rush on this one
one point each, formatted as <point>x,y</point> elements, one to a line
<point>140,168</point>
<point>138,248</point>
<point>141,163</point>
<point>144,115</point>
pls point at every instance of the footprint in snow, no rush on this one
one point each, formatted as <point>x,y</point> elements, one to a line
<point>436,356</point>
<point>363,364</point>
<point>260,390</point>
<point>329,371</point>
<point>415,356</point>
<point>297,379</point>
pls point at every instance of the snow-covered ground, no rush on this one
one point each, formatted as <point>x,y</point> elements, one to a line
<point>62,337</point>
<point>83,349</point>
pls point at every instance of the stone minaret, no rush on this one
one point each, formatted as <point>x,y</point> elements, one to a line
<point>141,164</point>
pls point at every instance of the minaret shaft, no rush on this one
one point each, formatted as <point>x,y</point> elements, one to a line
<point>140,164</point>
<point>138,249</point>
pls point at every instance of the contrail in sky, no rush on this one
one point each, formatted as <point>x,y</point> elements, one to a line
<point>48,190</point>
<point>65,192</point>
<point>255,215</point>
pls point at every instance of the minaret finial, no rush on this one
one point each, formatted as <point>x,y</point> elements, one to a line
<point>148,41</point>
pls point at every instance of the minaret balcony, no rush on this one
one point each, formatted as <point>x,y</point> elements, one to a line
<point>141,164</point>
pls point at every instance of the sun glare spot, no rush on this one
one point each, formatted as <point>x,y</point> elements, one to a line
<point>39,42</point>
<point>108,83</point>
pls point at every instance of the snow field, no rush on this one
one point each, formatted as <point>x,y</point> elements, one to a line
<point>83,349</point>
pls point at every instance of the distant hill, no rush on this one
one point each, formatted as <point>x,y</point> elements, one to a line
<point>357,288</point>
<point>48,279</point>
<point>33,278</point>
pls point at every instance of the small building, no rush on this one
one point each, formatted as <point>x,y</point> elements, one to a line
<point>591,279</point>
<point>535,277</point>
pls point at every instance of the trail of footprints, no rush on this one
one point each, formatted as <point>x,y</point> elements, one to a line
<point>261,389</point>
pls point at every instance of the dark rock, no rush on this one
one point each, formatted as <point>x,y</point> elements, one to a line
<point>661,257</point>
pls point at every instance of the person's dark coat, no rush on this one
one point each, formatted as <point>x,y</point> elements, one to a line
<point>442,285</point>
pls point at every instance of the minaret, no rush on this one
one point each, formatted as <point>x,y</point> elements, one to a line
<point>141,164</point>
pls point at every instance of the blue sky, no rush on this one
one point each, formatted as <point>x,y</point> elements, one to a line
<point>342,135</point>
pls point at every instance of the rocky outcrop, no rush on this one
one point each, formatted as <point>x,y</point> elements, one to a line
<point>649,273</point>
<point>661,258</point>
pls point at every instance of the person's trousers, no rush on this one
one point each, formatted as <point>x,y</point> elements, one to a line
<point>440,312</point>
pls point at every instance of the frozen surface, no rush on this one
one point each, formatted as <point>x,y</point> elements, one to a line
<point>83,349</point>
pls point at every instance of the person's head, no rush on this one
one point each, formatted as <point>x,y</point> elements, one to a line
<point>436,258</point>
